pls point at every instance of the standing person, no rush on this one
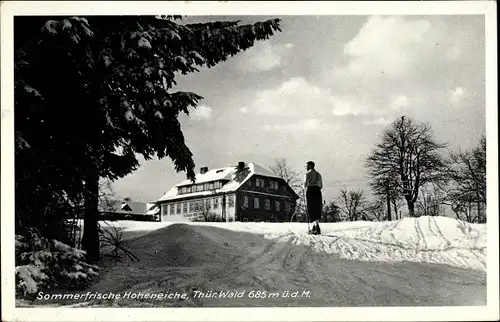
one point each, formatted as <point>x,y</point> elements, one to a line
<point>313,184</point>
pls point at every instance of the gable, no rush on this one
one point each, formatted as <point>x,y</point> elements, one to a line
<point>127,207</point>
<point>251,185</point>
<point>234,178</point>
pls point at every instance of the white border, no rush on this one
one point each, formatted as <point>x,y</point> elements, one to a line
<point>9,8</point>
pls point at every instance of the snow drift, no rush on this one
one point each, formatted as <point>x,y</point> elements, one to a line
<point>429,261</point>
<point>438,240</point>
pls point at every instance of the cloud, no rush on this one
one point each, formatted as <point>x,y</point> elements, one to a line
<point>399,102</point>
<point>294,97</point>
<point>263,56</point>
<point>454,53</point>
<point>351,106</point>
<point>388,45</point>
<point>202,112</point>
<point>377,121</point>
<point>309,125</point>
<point>457,95</point>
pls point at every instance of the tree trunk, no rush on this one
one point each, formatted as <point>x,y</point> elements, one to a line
<point>90,240</point>
<point>411,208</point>
<point>479,215</point>
<point>389,207</point>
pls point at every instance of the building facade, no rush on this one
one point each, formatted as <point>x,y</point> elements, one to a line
<point>128,210</point>
<point>246,192</point>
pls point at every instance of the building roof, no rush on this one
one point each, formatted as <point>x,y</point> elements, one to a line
<point>236,178</point>
<point>128,207</point>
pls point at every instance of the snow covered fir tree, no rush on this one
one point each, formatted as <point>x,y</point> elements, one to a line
<point>91,93</point>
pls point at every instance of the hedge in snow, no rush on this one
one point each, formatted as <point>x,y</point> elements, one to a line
<point>43,264</point>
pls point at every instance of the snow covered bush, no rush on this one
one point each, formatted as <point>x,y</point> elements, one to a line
<point>43,264</point>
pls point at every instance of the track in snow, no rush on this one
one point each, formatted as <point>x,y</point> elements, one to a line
<point>189,258</point>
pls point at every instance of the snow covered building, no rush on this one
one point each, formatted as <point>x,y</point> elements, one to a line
<point>128,210</point>
<point>246,192</point>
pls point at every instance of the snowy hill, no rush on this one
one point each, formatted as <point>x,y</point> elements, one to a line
<point>439,240</point>
<point>429,261</point>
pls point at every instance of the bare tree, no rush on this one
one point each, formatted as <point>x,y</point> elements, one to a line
<point>292,178</point>
<point>386,187</point>
<point>283,170</point>
<point>331,212</point>
<point>430,201</point>
<point>206,214</point>
<point>376,209</point>
<point>397,203</point>
<point>407,157</point>
<point>467,187</point>
<point>352,204</point>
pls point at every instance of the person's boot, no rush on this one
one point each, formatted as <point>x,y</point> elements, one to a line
<point>318,230</point>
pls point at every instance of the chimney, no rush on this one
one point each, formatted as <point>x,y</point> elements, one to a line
<point>241,165</point>
<point>203,170</point>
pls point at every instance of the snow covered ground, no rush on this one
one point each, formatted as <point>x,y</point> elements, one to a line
<point>429,261</point>
<point>438,240</point>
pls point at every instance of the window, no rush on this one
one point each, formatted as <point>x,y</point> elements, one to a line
<point>277,205</point>
<point>274,185</point>
<point>245,202</point>
<point>257,182</point>
<point>199,188</point>
<point>268,204</point>
<point>171,212</point>
<point>211,186</point>
<point>231,201</point>
<point>256,203</point>
<point>287,207</point>
<point>216,203</point>
<point>184,207</point>
<point>205,186</point>
<point>218,184</point>
<point>164,210</point>
<point>179,205</point>
<point>208,204</point>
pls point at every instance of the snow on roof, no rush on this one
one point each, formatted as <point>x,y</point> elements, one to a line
<point>211,175</point>
<point>152,208</point>
<point>236,178</point>
<point>123,207</point>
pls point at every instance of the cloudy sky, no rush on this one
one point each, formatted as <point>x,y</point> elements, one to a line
<point>324,89</point>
